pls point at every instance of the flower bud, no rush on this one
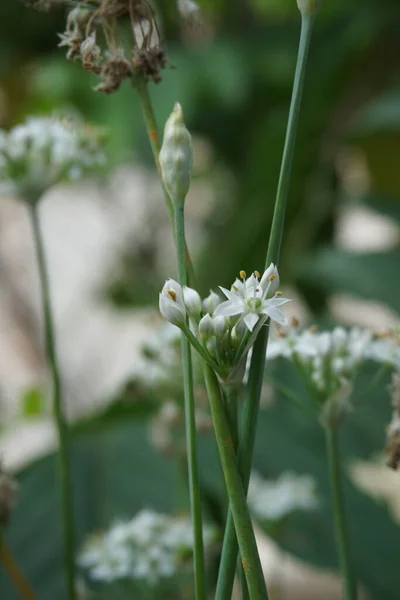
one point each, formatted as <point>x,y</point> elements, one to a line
<point>211,346</point>
<point>220,326</point>
<point>192,302</point>
<point>238,332</point>
<point>206,328</point>
<point>171,303</point>
<point>211,302</point>
<point>270,280</point>
<point>176,156</point>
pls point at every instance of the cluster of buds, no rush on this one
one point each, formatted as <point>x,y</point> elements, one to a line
<point>330,360</point>
<point>110,61</point>
<point>44,151</point>
<point>224,331</point>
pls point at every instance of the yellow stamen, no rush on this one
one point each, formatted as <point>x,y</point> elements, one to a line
<point>272,277</point>
<point>294,322</point>
<point>235,288</point>
<point>313,329</point>
<point>278,293</point>
<point>242,274</point>
<point>172,294</point>
<point>257,274</point>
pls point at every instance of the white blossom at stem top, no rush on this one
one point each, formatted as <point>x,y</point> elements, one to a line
<point>44,151</point>
<point>171,303</point>
<point>252,298</point>
<point>176,157</point>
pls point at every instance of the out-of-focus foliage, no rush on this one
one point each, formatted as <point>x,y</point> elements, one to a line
<point>234,81</point>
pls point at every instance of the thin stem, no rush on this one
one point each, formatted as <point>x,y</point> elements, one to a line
<point>341,532</point>
<point>252,399</point>
<point>14,572</point>
<point>190,423</point>
<point>60,420</point>
<point>237,498</point>
<point>155,143</point>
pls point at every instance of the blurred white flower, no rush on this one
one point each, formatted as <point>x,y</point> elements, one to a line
<point>272,500</point>
<point>150,547</point>
<point>43,151</point>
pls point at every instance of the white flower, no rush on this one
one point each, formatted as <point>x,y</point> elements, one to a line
<point>43,151</point>
<point>274,500</point>
<point>148,548</point>
<point>251,298</point>
<point>192,302</point>
<point>171,303</point>
<point>385,350</point>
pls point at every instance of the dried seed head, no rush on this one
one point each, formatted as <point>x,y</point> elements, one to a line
<point>114,71</point>
<point>91,54</point>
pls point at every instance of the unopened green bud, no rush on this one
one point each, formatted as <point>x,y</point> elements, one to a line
<point>192,302</point>
<point>176,156</point>
<point>308,7</point>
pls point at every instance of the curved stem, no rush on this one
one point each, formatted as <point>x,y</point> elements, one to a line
<point>252,398</point>
<point>190,423</point>
<point>12,568</point>
<point>237,498</point>
<point>341,531</point>
<point>155,143</point>
<point>60,420</point>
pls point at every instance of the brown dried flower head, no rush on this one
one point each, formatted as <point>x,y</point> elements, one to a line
<point>91,20</point>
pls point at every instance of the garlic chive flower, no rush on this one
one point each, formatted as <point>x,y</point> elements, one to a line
<point>171,303</point>
<point>252,298</point>
<point>223,333</point>
<point>176,156</point>
<point>149,549</point>
<point>331,360</point>
<point>273,500</point>
<point>44,151</point>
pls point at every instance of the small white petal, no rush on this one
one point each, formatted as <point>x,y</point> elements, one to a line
<point>251,319</point>
<point>275,314</point>
<point>229,309</point>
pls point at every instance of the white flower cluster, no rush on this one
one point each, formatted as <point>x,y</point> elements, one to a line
<point>223,331</point>
<point>42,151</point>
<point>149,548</point>
<point>331,359</point>
<point>274,500</point>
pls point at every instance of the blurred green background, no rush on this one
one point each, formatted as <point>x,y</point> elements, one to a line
<point>233,78</point>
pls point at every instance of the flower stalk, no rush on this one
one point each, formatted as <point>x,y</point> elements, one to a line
<point>341,529</point>
<point>256,374</point>
<point>154,140</point>
<point>12,568</point>
<point>244,530</point>
<point>190,424</point>
<point>60,419</point>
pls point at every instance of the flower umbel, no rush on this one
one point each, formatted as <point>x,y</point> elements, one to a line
<point>223,333</point>
<point>43,151</point>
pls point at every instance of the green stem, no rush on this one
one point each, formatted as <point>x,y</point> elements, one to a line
<point>341,532</point>
<point>252,399</point>
<point>12,568</point>
<point>237,498</point>
<point>60,420</point>
<point>190,423</point>
<point>155,143</point>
